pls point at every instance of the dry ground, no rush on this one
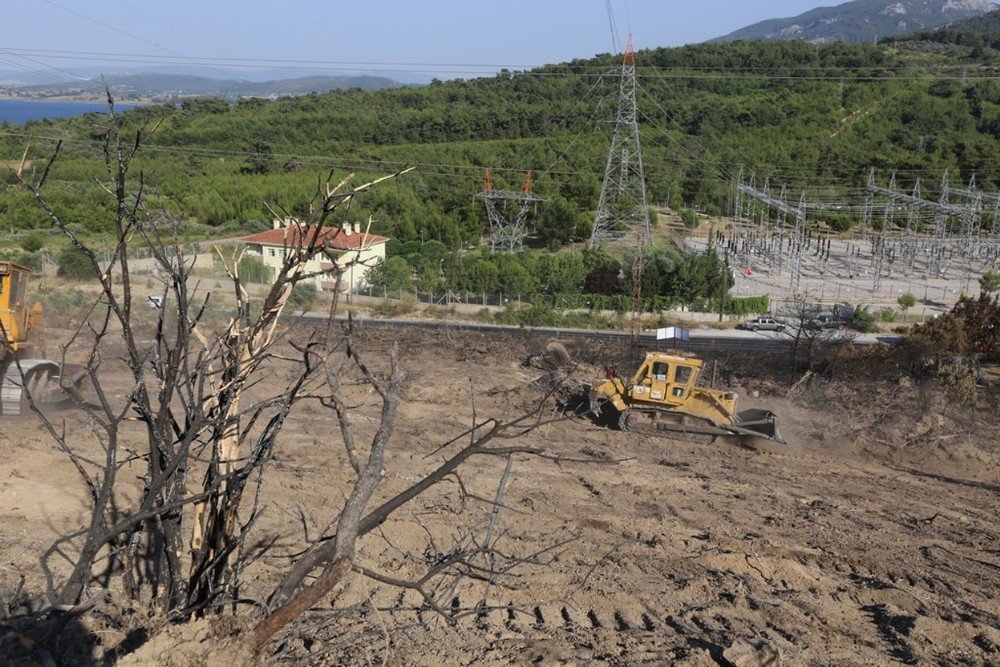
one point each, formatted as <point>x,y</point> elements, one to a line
<point>876,543</point>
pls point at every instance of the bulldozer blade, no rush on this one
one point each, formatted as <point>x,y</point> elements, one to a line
<point>73,385</point>
<point>762,423</point>
<point>758,430</point>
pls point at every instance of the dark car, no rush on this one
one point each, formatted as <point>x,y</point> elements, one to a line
<point>824,322</point>
<point>762,324</point>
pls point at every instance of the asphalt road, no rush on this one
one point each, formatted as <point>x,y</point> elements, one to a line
<point>701,339</point>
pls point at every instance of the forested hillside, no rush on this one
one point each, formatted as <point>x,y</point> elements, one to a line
<point>815,117</point>
<point>981,34</point>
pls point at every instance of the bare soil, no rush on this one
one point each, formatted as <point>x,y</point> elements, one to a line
<point>876,540</point>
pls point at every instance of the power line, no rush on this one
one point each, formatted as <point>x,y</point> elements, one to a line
<point>615,42</point>
<point>829,73</point>
<point>348,163</point>
<point>109,27</point>
<point>439,169</point>
<point>173,57</point>
<point>114,28</point>
<point>26,68</point>
<point>38,62</point>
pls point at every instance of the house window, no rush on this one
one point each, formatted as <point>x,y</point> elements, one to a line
<point>272,252</point>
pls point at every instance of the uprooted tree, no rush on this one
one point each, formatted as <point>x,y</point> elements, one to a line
<point>969,332</point>
<point>200,424</point>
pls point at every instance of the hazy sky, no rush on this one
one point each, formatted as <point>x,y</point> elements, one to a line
<point>499,33</point>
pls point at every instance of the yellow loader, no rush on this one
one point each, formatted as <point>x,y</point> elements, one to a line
<point>22,351</point>
<point>664,399</point>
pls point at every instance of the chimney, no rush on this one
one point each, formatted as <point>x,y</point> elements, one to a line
<point>346,226</point>
<point>357,227</point>
<point>277,223</point>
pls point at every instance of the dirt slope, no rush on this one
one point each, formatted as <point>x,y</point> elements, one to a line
<point>878,543</point>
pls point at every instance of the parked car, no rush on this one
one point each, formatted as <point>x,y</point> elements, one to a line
<point>762,324</point>
<point>824,322</point>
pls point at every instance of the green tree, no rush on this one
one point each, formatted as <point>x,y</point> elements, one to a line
<point>429,278</point>
<point>434,251</point>
<point>75,264</point>
<point>32,242</point>
<point>990,282</point>
<point>259,158</point>
<point>558,221</point>
<point>906,301</point>
<point>513,277</point>
<point>483,276</point>
<point>303,295</point>
<point>864,319</point>
<point>391,273</point>
<point>838,222</point>
<point>654,217</point>
<point>603,272</point>
<point>253,270</point>
<point>689,218</point>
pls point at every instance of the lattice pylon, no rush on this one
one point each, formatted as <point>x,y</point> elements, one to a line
<point>507,232</point>
<point>624,205</point>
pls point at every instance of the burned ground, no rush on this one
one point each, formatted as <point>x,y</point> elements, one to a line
<point>875,541</point>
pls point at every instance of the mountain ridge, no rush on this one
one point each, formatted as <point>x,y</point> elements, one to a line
<point>860,21</point>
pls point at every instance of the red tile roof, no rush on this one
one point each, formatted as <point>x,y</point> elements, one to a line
<point>334,237</point>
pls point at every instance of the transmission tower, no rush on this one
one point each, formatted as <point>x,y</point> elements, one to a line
<point>507,233</point>
<point>623,205</point>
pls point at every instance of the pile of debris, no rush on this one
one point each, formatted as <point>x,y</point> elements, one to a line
<point>563,377</point>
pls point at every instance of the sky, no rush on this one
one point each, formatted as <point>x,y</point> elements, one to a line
<point>446,38</point>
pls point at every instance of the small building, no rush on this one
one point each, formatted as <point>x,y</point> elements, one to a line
<point>356,252</point>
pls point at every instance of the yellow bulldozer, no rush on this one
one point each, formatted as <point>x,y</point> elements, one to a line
<point>664,399</point>
<point>24,370</point>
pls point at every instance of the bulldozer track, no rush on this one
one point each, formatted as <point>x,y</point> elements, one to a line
<point>561,617</point>
<point>675,426</point>
<point>38,375</point>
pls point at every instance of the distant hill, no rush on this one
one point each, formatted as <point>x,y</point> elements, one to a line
<point>863,21</point>
<point>166,86</point>
<point>974,40</point>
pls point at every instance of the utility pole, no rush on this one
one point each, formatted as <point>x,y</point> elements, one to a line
<point>724,287</point>
<point>623,204</point>
<point>638,268</point>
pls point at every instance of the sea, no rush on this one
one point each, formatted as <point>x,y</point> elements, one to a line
<point>21,111</point>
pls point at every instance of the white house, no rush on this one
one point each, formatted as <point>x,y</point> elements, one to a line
<point>356,252</point>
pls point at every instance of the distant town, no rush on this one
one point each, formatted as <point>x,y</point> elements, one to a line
<point>155,88</point>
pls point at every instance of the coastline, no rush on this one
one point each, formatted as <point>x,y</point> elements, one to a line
<point>82,99</point>
<point>18,111</point>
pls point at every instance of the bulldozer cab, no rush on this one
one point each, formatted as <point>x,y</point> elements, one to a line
<point>14,312</point>
<point>665,379</point>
